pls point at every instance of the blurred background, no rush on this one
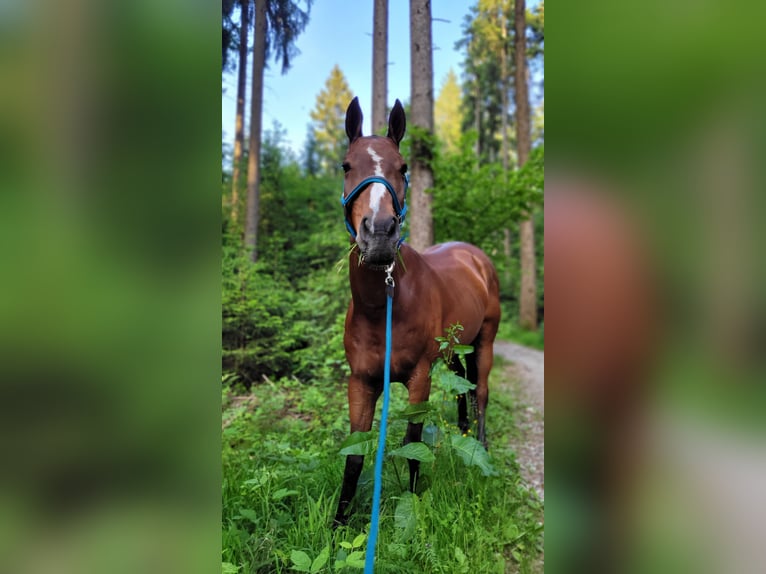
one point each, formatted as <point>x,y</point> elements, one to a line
<point>655,288</point>
<point>110,292</point>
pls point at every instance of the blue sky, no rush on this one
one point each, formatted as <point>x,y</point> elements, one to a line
<point>340,33</point>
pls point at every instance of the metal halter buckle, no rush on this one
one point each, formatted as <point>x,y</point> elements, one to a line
<point>390,279</point>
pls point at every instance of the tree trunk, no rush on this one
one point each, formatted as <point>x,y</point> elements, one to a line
<point>379,66</point>
<point>422,115</point>
<point>505,150</point>
<point>528,295</point>
<point>239,130</point>
<point>256,113</point>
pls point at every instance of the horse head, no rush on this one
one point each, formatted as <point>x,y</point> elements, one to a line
<point>375,186</point>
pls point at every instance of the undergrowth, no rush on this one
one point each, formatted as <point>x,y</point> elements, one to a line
<point>282,471</point>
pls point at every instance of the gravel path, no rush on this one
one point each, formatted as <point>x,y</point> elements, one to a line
<point>527,385</point>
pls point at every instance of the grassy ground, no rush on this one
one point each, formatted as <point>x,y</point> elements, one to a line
<point>510,331</point>
<point>281,479</point>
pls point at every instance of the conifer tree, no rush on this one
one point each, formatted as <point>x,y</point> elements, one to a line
<point>447,113</point>
<point>328,116</point>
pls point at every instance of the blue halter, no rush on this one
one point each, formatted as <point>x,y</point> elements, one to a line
<point>401,210</point>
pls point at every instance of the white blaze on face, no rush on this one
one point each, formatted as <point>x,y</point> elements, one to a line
<point>378,190</point>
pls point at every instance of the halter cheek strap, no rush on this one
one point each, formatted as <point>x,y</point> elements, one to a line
<point>401,210</point>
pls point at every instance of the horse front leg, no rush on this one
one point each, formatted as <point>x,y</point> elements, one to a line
<point>419,387</point>
<point>362,396</point>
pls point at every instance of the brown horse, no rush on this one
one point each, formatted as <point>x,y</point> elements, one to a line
<point>446,284</point>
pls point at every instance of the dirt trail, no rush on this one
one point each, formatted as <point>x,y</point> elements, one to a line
<point>526,384</point>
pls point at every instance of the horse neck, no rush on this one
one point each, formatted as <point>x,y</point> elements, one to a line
<point>368,288</point>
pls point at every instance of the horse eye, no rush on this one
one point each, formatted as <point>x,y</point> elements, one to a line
<point>346,166</point>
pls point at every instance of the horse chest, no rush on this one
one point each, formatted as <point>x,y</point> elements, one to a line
<point>366,349</point>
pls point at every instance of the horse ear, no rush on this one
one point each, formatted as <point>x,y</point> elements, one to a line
<point>397,123</point>
<point>354,120</point>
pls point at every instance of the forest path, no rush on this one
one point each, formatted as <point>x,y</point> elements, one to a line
<point>525,381</point>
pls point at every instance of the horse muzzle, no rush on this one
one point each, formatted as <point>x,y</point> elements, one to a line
<point>378,240</point>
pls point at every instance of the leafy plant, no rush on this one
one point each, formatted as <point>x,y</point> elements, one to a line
<point>355,558</point>
<point>302,562</point>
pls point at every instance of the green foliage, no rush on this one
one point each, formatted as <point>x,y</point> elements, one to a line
<point>472,452</point>
<point>355,558</point>
<point>447,113</point>
<point>328,134</point>
<point>302,562</point>
<point>286,20</point>
<point>258,318</point>
<point>485,46</point>
<point>448,381</point>
<point>284,315</point>
<point>281,478</point>
<point>414,451</point>
<point>359,442</point>
<point>510,331</point>
<point>476,202</point>
<point>271,328</point>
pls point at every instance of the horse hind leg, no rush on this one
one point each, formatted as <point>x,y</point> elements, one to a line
<point>484,356</point>
<point>470,373</point>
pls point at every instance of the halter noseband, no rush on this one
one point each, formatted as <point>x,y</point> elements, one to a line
<point>401,210</point>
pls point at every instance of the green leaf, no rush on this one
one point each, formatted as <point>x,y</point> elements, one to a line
<point>454,384</point>
<point>359,540</point>
<point>355,559</point>
<point>460,555</point>
<point>437,366</point>
<point>415,413</point>
<point>363,443</point>
<point>448,381</point>
<point>249,514</point>
<point>405,516</point>
<point>282,493</point>
<point>431,434</point>
<point>414,451</point>
<point>472,452</point>
<point>462,349</point>
<point>301,561</point>
<point>320,560</point>
<point>229,568</point>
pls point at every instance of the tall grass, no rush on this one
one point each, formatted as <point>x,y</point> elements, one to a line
<point>281,480</point>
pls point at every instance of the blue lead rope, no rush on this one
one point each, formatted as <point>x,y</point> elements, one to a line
<point>369,561</point>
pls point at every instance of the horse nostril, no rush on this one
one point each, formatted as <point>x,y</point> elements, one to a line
<point>391,226</point>
<point>367,224</point>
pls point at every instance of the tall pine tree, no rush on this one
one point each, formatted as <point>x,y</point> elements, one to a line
<point>239,122</point>
<point>277,26</point>
<point>422,121</point>
<point>380,66</point>
<point>528,294</point>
